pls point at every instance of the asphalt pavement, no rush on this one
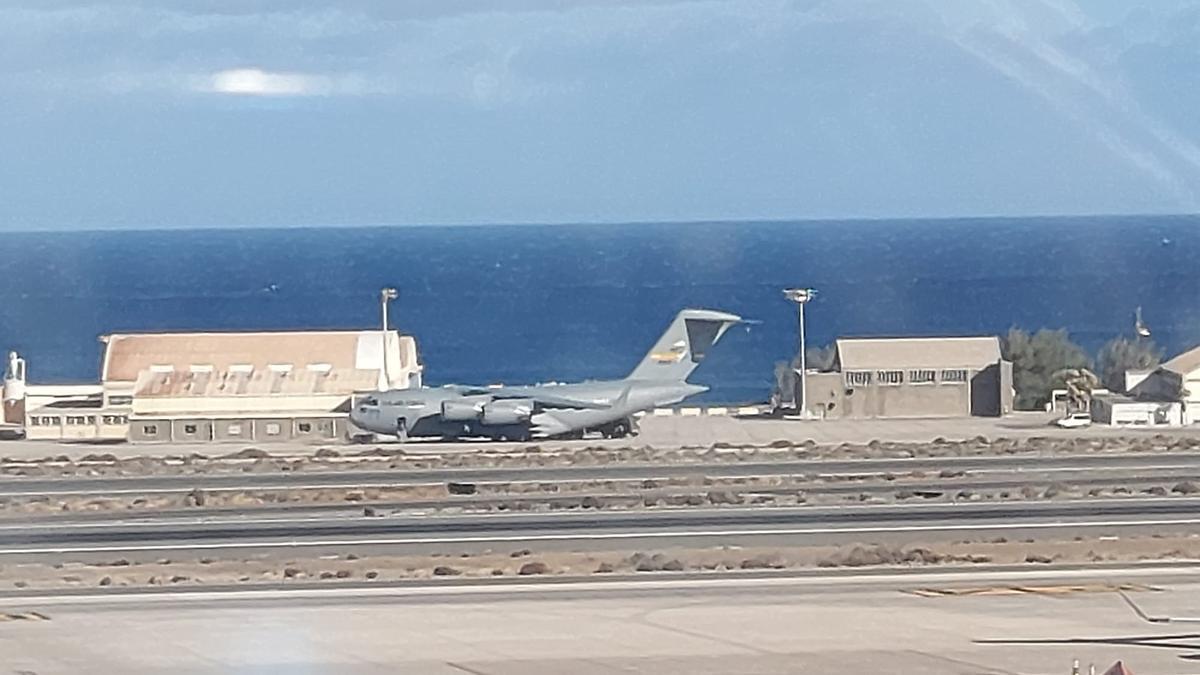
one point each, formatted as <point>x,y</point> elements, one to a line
<point>600,530</point>
<point>867,623</point>
<point>13,486</point>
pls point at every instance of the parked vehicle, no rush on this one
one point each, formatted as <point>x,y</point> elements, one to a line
<point>1075,420</point>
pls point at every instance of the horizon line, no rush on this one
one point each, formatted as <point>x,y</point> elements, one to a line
<point>595,223</point>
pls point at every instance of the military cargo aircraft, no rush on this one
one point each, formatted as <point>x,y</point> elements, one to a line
<point>552,410</point>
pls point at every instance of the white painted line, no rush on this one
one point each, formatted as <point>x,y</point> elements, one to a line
<point>675,534</point>
<point>689,412</point>
<point>663,412</point>
<point>718,411</point>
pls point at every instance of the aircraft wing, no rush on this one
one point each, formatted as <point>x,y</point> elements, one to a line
<point>543,396</point>
<point>550,400</point>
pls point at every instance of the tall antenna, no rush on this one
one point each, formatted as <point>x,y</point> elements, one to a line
<point>386,295</point>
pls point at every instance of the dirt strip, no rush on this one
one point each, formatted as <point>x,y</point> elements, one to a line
<point>522,562</point>
<point>694,491</point>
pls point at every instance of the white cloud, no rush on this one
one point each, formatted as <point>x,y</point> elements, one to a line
<point>256,82</point>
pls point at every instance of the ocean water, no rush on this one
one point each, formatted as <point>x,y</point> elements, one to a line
<point>522,304</point>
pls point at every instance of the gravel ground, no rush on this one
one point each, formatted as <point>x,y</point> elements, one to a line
<point>694,491</point>
<point>257,460</point>
<point>527,563</point>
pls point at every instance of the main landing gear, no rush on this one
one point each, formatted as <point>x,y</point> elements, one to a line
<point>619,429</point>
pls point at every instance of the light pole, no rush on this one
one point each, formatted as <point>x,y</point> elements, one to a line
<point>386,295</point>
<point>801,296</point>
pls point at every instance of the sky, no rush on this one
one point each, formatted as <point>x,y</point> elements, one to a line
<point>231,113</point>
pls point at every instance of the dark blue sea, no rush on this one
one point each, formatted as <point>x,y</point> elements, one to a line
<point>521,304</point>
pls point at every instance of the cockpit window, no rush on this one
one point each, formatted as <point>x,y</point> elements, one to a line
<point>370,401</point>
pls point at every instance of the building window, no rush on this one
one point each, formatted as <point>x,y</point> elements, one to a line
<point>234,430</point>
<point>76,420</point>
<point>921,376</point>
<point>91,419</point>
<point>272,429</point>
<point>35,421</point>
<point>52,420</point>
<point>858,378</point>
<point>189,428</point>
<point>890,376</point>
<point>957,376</point>
<point>304,427</point>
<point>150,429</point>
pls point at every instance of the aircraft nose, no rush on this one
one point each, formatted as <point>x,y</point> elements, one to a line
<point>363,415</point>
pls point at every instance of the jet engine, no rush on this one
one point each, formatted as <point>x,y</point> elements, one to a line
<point>513,411</point>
<point>464,410</point>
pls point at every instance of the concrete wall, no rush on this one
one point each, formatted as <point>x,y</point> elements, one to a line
<point>316,429</point>
<point>986,392</point>
<point>825,395</point>
<point>76,424</point>
<point>149,431</point>
<point>1165,385</point>
<point>909,400</point>
<point>213,406</point>
<point>191,430</point>
<point>319,428</point>
<point>1008,391</point>
<point>233,430</point>
<point>1136,413</point>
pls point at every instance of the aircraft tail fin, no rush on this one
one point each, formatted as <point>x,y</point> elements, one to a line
<point>684,345</point>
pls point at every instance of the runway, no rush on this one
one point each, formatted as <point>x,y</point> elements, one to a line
<point>600,530</point>
<point>856,623</point>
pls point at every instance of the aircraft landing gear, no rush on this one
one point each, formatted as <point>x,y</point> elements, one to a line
<point>401,429</point>
<point>618,429</point>
<point>520,436</point>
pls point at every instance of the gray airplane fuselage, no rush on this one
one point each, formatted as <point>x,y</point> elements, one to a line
<point>617,402</point>
<point>550,410</point>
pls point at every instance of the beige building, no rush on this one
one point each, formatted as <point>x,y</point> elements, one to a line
<point>913,377</point>
<point>1120,411</point>
<point>253,386</point>
<point>58,411</point>
<point>1177,380</point>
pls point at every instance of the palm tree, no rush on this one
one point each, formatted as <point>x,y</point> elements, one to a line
<point>1080,382</point>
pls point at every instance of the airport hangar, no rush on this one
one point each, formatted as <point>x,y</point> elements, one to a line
<point>198,387</point>
<point>911,377</point>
